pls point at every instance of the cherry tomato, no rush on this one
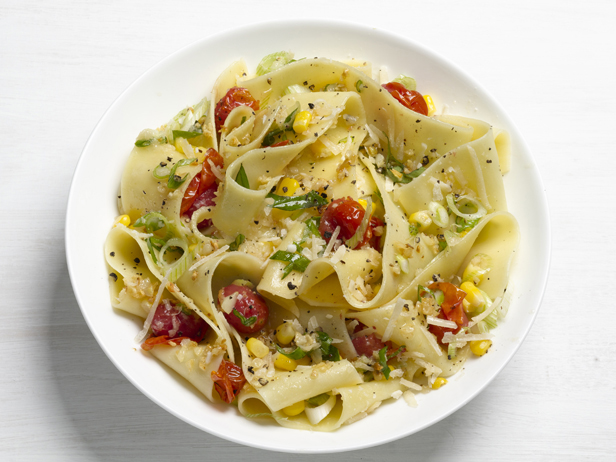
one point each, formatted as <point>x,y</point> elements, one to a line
<point>367,344</point>
<point>408,98</point>
<point>235,97</point>
<point>451,309</point>
<point>202,181</point>
<point>348,214</point>
<point>162,340</point>
<point>228,380</point>
<point>174,320</point>
<point>249,305</point>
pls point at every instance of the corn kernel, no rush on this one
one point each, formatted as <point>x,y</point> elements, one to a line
<point>430,104</point>
<point>285,363</point>
<point>473,296</point>
<point>480,347</point>
<point>257,347</point>
<point>123,220</point>
<point>302,119</point>
<point>305,361</point>
<point>285,333</point>
<point>287,187</point>
<point>438,383</point>
<point>477,268</point>
<point>294,409</point>
<point>364,204</point>
<point>422,219</point>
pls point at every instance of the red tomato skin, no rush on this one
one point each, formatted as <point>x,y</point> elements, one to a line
<point>451,309</point>
<point>248,304</point>
<point>161,340</point>
<point>348,214</point>
<point>408,98</point>
<point>202,189</point>
<point>280,143</point>
<point>174,321</point>
<point>366,345</point>
<point>235,97</point>
<point>228,380</point>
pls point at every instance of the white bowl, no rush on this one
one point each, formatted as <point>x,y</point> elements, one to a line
<point>185,77</point>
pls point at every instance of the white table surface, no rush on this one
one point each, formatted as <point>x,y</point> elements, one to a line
<point>550,63</point>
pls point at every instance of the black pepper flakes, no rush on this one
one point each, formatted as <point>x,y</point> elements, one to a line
<point>114,276</point>
<point>136,260</point>
<point>291,286</point>
<point>112,254</point>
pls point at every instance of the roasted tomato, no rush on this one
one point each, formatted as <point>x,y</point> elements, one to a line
<point>201,181</point>
<point>451,309</point>
<point>348,214</point>
<point>367,344</point>
<point>408,98</point>
<point>162,340</point>
<point>228,380</point>
<point>235,97</point>
<point>174,320</point>
<point>250,311</point>
<point>280,143</point>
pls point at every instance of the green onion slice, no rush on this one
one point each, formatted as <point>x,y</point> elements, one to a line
<point>274,61</point>
<point>161,171</point>
<point>239,240</point>
<point>439,214</point>
<point>296,261</point>
<point>328,351</point>
<point>175,181</point>
<point>481,210</point>
<point>358,85</point>
<point>408,82</point>
<point>298,353</point>
<point>185,134</point>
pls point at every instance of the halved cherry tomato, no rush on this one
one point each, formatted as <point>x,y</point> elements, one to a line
<point>202,181</point>
<point>228,380</point>
<point>348,214</point>
<point>249,305</point>
<point>408,98</point>
<point>451,309</point>
<point>367,344</point>
<point>175,320</point>
<point>235,97</point>
<point>161,340</point>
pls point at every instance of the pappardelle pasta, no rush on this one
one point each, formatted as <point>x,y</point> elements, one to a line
<point>308,242</point>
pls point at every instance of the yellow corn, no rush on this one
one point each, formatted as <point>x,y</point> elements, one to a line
<point>257,347</point>
<point>438,383</point>
<point>430,104</point>
<point>284,363</point>
<point>285,333</point>
<point>294,409</point>
<point>302,119</point>
<point>305,361</point>
<point>364,204</point>
<point>473,296</point>
<point>287,187</point>
<point>422,219</point>
<point>123,220</point>
<point>480,347</point>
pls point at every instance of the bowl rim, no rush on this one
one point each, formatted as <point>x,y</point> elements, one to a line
<point>342,26</point>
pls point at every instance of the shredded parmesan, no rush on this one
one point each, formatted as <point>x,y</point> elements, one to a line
<point>441,322</point>
<point>463,338</point>
<point>339,254</point>
<point>202,260</point>
<point>486,313</point>
<point>431,340</point>
<point>409,384</point>
<point>396,394</point>
<point>393,319</point>
<point>331,242</point>
<point>229,303</point>
<point>216,171</point>
<point>148,321</point>
<point>410,399</point>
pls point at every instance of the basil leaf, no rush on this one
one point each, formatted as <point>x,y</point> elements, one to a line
<point>318,400</point>
<point>183,134</point>
<point>288,122</point>
<point>296,261</point>
<point>246,322</point>
<point>143,143</point>
<point>392,164</point>
<point>385,369</point>
<point>312,227</point>
<point>239,240</point>
<point>241,178</point>
<point>298,353</point>
<point>306,201</point>
<point>328,351</point>
<point>175,181</point>
<point>270,137</point>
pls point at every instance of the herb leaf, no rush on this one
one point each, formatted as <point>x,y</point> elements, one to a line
<point>245,321</point>
<point>306,201</point>
<point>385,369</point>
<point>144,143</point>
<point>328,351</point>
<point>183,134</point>
<point>312,227</point>
<point>420,290</point>
<point>298,353</point>
<point>239,240</point>
<point>462,224</point>
<point>296,261</point>
<point>394,165</point>
<point>241,178</point>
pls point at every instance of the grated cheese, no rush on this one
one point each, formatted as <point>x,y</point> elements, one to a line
<point>394,318</point>
<point>229,303</point>
<point>410,399</point>
<point>409,384</point>
<point>486,313</point>
<point>441,322</point>
<point>331,242</point>
<point>431,340</point>
<point>202,260</point>
<point>339,254</point>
